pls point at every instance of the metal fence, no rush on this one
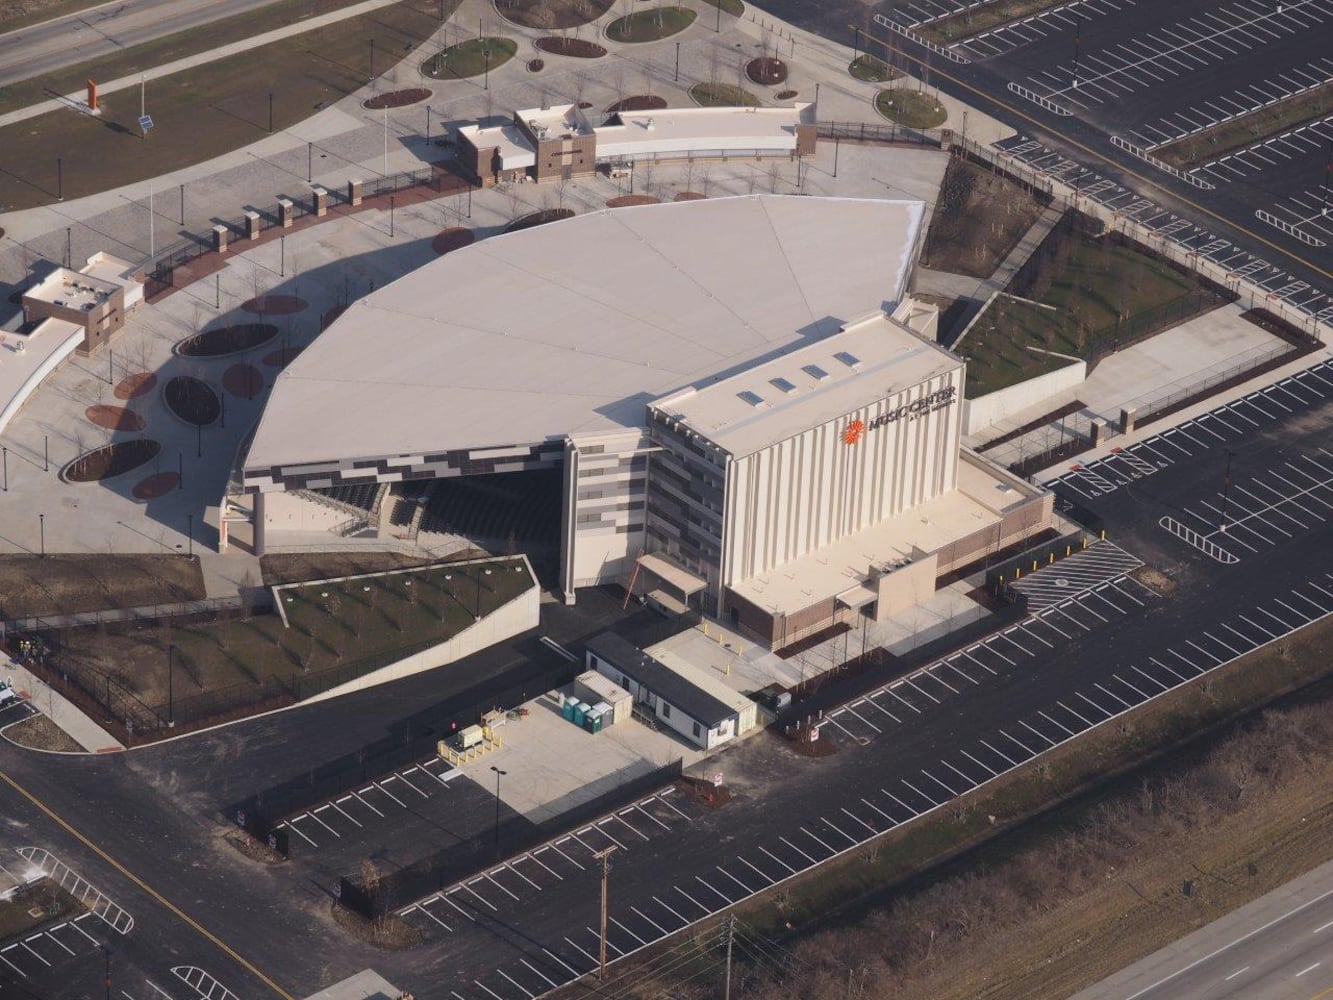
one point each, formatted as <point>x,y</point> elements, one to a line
<point>877,132</point>
<point>1168,399</point>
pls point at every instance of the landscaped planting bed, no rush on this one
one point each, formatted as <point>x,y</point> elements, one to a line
<point>396,99</point>
<point>474,57</point>
<point>539,218</point>
<point>223,340</point>
<point>650,25</point>
<point>722,95</point>
<point>110,460</point>
<point>768,71</point>
<point>192,399</point>
<point>638,102</point>
<point>576,48</point>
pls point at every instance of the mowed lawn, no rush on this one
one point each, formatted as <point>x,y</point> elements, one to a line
<point>206,111</point>
<point>1095,295</point>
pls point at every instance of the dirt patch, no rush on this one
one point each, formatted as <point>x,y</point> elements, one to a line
<point>223,340</point>
<point>275,305</point>
<point>768,71</point>
<point>299,567</point>
<point>397,99</point>
<point>245,381</point>
<point>115,418</point>
<point>253,849</point>
<point>110,461</point>
<point>192,399</point>
<point>391,933</point>
<point>40,733</point>
<point>630,200</point>
<point>156,486</point>
<point>1154,580</point>
<point>539,218</point>
<point>35,906</point>
<point>638,102</point>
<point>454,238</point>
<point>66,584</point>
<point>690,196</point>
<point>133,386</point>
<point>978,219</point>
<point>577,48</point>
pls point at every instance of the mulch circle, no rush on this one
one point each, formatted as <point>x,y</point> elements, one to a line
<point>115,418</point>
<point>282,358</point>
<point>536,65</point>
<point>396,99</point>
<point>767,70</point>
<point>639,102</point>
<point>327,319</point>
<point>452,239</point>
<point>156,486</point>
<point>275,305</point>
<point>138,384</point>
<point>690,196</point>
<point>245,381</point>
<point>785,95</point>
<point>629,200</point>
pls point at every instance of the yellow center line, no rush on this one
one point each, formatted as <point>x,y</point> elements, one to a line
<point>1323,993</point>
<point>1095,154</point>
<point>170,906</point>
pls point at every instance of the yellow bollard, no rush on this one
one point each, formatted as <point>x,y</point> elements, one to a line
<point>1069,549</point>
<point>1102,536</point>
<point>1034,565</point>
<point>1085,541</point>
<point>1018,572</point>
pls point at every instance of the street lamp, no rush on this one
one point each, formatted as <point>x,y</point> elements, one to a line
<point>41,528</point>
<point>498,775</point>
<point>1226,491</point>
<point>189,534</point>
<point>171,700</point>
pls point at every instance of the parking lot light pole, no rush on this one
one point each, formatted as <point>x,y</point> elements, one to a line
<point>41,529</point>
<point>498,775</point>
<point>189,534</point>
<point>171,701</point>
<point>1226,491</point>
<point>1078,24</point>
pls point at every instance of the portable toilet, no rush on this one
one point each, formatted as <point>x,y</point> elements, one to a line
<point>567,709</point>
<point>580,713</point>
<point>593,722</point>
<point>605,713</point>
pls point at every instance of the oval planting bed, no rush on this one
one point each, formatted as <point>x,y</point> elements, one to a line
<point>785,95</point>
<point>536,65</point>
<point>396,99</point>
<point>192,399</point>
<point>722,95</point>
<point>630,200</point>
<point>767,70</point>
<point>133,386</point>
<point>115,418</point>
<point>245,381</point>
<point>911,108</point>
<point>690,196</point>
<point>539,218</point>
<point>225,340</point>
<point>156,486</point>
<point>650,25</point>
<point>475,57</point>
<point>274,305</point>
<point>577,48</point>
<point>452,239</point>
<point>639,102</point>
<point>110,461</point>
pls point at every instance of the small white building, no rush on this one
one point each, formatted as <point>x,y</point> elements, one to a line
<point>700,708</point>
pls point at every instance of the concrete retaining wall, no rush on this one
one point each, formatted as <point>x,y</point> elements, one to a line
<point>1004,403</point>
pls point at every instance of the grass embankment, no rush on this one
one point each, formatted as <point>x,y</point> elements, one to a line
<point>470,58</point>
<point>67,584</point>
<point>206,111</point>
<point>650,25</point>
<point>15,14</point>
<point>552,13</point>
<point>1085,297</point>
<point>979,218</point>
<point>722,95</point>
<point>1008,916</point>
<point>357,623</point>
<point>1216,142</point>
<point>965,24</point>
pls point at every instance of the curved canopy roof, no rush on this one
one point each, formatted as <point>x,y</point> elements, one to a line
<point>573,327</point>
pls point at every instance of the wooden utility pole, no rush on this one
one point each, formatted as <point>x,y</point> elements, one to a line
<point>604,857</point>
<point>731,933</point>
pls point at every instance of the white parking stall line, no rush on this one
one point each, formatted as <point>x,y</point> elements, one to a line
<point>1117,697</point>
<point>797,850</point>
<point>25,947</point>
<point>553,984</point>
<point>767,878</point>
<point>621,820</point>
<point>640,807</point>
<point>833,718</point>
<point>489,990</point>
<point>445,898</point>
<point>526,992</point>
<point>488,877</point>
<point>1058,725</point>
<point>1240,635</point>
<point>426,911</point>
<point>511,867</point>
<point>75,924</point>
<point>1227,646</point>
<point>930,672</point>
<point>340,809</point>
<point>989,770</point>
<point>596,962</point>
<point>57,940</point>
<point>778,860</point>
<point>838,830</point>
<point>818,841</point>
<point>849,709</point>
<point>1094,705</point>
<point>1150,677</point>
<point>1038,733</point>
<point>902,699</point>
<point>627,930</point>
<point>597,828</point>
<point>1028,632</point>
<point>380,786</point>
<point>555,847</point>
<point>1188,663</point>
<point>412,784</point>
<point>291,825</point>
<point>1286,626</point>
<point>1156,662</point>
<point>909,683</point>
<point>880,812</point>
<point>726,900</point>
<point>671,911</point>
<point>11,964</point>
<point>649,920</point>
<point>1001,753</point>
<point>1313,603</point>
<point>912,812</point>
<point>870,700</point>
<point>983,666</point>
<point>937,781</point>
<point>1076,715</point>
<point>853,816</point>
<point>538,861</point>
<point>358,798</point>
<point>960,774</point>
<point>748,890</point>
<point>480,898</point>
<point>1041,616</point>
<point>989,646</point>
<point>967,677</point>
<point>1304,620</point>
<point>913,787</point>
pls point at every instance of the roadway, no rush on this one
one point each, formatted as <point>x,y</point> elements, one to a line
<point>104,30</point>
<point>1278,947</point>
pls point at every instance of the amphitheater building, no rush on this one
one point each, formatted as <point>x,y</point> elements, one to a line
<point>728,405</point>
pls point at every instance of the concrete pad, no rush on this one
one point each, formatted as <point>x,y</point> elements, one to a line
<point>365,985</point>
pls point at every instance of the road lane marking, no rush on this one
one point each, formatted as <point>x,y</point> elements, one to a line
<point>1237,973</point>
<point>1308,968</point>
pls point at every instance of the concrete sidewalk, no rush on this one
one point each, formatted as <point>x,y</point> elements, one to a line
<point>60,710</point>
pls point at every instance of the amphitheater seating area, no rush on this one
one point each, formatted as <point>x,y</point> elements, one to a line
<point>523,507</point>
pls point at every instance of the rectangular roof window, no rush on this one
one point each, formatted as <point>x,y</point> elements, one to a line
<point>850,360</point>
<point>753,398</point>
<point>815,372</point>
<point>782,383</point>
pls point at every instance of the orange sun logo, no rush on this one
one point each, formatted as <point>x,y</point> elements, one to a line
<point>854,432</point>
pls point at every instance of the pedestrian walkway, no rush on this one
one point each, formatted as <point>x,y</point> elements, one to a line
<point>78,100</point>
<point>60,710</point>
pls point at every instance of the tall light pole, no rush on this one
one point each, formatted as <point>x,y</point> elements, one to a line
<point>1226,491</point>
<point>604,856</point>
<point>385,171</point>
<point>498,775</point>
<point>189,534</point>
<point>41,528</point>
<point>171,700</point>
